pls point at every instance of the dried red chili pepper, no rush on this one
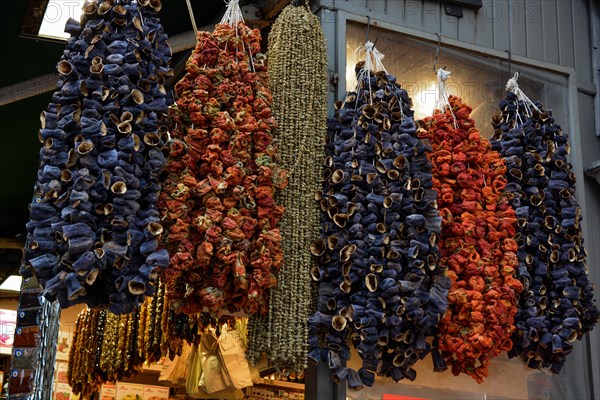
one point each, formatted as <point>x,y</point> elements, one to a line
<point>476,243</point>
<point>223,233</point>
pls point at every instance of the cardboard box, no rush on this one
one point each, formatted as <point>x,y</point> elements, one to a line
<point>108,392</point>
<point>156,393</point>
<point>129,391</point>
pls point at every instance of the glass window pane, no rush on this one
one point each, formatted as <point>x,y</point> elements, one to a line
<point>477,79</point>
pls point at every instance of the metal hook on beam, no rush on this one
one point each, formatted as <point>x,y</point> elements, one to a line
<point>437,52</point>
<point>509,61</point>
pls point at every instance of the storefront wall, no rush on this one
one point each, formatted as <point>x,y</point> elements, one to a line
<point>552,43</point>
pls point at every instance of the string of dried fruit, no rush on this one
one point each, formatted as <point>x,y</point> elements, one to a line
<point>100,328</point>
<point>73,354</point>
<point>379,282</point>
<point>164,323</point>
<point>141,337</point>
<point>108,347</point>
<point>298,78</point>
<point>82,356</point>
<point>93,222</point>
<point>557,305</point>
<point>217,202</point>
<point>476,244</point>
<point>157,338</point>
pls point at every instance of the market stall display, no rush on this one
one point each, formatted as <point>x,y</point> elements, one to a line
<point>298,79</point>
<point>92,234</point>
<point>557,305</point>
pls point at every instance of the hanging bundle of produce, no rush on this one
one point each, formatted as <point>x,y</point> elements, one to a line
<point>107,347</point>
<point>298,78</point>
<point>477,246</point>
<point>92,235</point>
<point>557,305</point>
<point>378,281</point>
<point>217,202</point>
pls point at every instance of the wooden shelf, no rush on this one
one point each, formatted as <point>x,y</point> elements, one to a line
<point>282,384</point>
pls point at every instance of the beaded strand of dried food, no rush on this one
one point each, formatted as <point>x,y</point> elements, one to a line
<point>156,340</point>
<point>141,329</point>
<point>73,353</point>
<point>557,305</point>
<point>164,323</point>
<point>297,67</point>
<point>100,339</point>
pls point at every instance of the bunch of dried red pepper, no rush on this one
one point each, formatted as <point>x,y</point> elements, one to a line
<point>217,202</point>
<point>557,305</point>
<point>476,244</point>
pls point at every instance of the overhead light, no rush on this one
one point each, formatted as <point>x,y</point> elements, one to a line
<point>46,19</point>
<point>12,283</point>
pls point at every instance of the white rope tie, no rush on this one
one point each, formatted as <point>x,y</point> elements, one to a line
<point>442,102</point>
<point>513,86</point>
<point>233,14</point>
<point>373,63</point>
<point>232,17</point>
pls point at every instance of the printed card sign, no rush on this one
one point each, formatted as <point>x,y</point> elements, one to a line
<point>129,391</point>
<point>108,392</point>
<point>65,340</point>
<point>61,371</point>
<point>62,391</point>
<point>156,393</point>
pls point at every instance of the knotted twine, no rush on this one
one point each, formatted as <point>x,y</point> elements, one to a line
<point>442,102</point>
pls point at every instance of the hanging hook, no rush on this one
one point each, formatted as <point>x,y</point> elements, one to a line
<point>437,51</point>
<point>509,61</point>
<point>368,28</point>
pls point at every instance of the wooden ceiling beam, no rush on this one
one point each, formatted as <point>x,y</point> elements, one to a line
<point>11,243</point>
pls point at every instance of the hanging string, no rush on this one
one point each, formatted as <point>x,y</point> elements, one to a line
<point>442,102</point>
<point>232,17</point>
<point>373,59</point>
<point>191,12</point>
<point>513,86</point>
<point>233,14</point>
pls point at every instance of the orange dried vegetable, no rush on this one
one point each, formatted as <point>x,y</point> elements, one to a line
<point>476,243</point>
